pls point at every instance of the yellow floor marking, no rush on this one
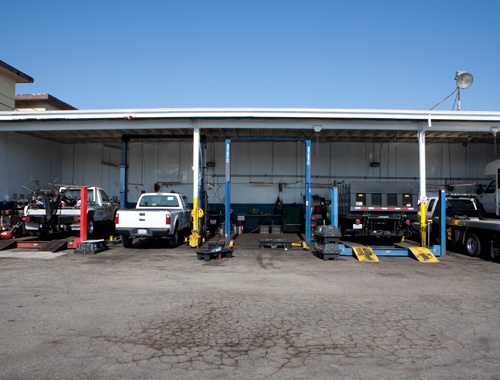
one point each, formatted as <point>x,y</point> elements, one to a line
<point>423,255</point>
<point>365,254</point>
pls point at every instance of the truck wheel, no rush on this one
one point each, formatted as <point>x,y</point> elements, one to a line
<point>473,245</point>
<point>127,241</point>
<point>90,226</point>
<point>174,239</point>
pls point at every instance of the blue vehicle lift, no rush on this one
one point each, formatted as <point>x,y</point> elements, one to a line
<point>227,231</point>
<point>436,250</point>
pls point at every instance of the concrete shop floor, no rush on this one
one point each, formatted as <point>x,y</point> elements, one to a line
<point>151,312</point>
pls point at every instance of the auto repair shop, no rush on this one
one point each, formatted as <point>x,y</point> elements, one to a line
<point>128,152</point>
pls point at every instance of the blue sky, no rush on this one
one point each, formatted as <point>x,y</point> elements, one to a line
<point>225,54</point>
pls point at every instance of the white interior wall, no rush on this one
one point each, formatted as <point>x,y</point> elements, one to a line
<point>91,165</point>
<point>272,163</point>
<point>24,157</point>
<point>166,163</point>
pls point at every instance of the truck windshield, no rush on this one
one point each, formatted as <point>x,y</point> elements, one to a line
<point>159,201</point>
<point>75,193</point>
<point>491,187</point>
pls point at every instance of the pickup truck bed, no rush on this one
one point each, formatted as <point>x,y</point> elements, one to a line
<point>484,224</point>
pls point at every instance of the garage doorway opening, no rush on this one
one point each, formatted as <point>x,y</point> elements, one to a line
<point>227,212</point>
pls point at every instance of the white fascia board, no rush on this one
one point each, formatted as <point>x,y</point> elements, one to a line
<point>327,119</point>
<point>296,124</point>
<point>282,123</point>
<point>353,124</point>
<point>252,113</point>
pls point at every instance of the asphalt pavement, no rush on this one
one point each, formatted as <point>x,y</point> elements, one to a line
<point>152,312</point>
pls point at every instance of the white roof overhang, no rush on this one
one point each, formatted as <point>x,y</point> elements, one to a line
<point>107,126</point>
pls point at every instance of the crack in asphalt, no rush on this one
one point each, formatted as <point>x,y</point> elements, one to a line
<point>210,335</point>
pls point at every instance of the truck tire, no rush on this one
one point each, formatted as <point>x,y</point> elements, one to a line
<point>127,241</point>
<point>174,239</point>
<point>473,245</point>
<point>90,226</point>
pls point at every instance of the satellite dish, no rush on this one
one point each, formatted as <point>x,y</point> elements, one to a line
<point>464,79</point>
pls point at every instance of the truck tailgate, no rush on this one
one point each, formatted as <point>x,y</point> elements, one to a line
<point>143,218</point>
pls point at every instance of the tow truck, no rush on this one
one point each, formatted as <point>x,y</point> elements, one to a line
<point>466,225</point>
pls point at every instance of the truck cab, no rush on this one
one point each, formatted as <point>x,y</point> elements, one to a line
<point>467,227</point>
<point>490,197</point>
<point>100,203</point>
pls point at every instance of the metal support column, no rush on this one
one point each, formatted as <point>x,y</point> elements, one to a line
<point>334,207</point>
<point>308,192</point>
<point>227,213</point>
<point>442,221</point>
<point>197,213</point>
<point>123,173</point>
<point>83,217</point>
<point>201,188</point>
<point>423,185</point>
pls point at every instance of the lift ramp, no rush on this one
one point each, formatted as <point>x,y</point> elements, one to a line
<point>54,246</point>
<point>14,243</point>
<point>424,255</point>
<point>365,254</point>
<point>401,249</point>
<point>6,244</point>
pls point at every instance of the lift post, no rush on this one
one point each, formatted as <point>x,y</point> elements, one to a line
<point>123,173</point>
<point>227,211</point>
<point>334,207</point>
<point>83,213</point>
<point>83,217</point>
<point>308,192</point>
<point>227,219</point>
<point>423,185</point>
<point>197,213</point>
<point>442,221</point>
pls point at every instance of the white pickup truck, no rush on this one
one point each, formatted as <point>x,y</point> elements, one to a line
<point>59,210</point>
<point>100,208</point>
<point>156,215</point>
